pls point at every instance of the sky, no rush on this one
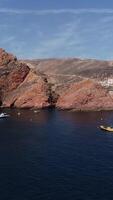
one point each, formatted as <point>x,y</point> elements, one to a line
<point>57,28</point>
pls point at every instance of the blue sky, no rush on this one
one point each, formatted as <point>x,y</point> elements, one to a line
<point>57,28</point>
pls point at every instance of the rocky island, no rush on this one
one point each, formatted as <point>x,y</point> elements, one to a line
<point>72,83</point>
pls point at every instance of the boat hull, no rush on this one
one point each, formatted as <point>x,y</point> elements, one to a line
<point>109,129</point>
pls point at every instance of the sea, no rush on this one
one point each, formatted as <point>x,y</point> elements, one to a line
<point>55,155</point>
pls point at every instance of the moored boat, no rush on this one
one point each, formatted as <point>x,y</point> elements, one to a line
<point>106,128</point>
<point>3,115</point>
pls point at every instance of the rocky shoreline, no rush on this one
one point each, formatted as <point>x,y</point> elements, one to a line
<point>85,86</point>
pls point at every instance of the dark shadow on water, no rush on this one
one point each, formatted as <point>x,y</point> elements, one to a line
<point>88,118</point>
<point>30,116</point>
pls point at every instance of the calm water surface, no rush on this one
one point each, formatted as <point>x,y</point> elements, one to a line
<point>55,155</point>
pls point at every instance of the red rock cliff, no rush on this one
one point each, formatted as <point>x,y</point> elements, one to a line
<point>66,84</point>
<point>19,85</point>
<point>85,95</point>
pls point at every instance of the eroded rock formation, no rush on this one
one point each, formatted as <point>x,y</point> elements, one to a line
<point>22,87</point>
<point>65,84</point>
<point>84,96</point>
<point>6,58</point>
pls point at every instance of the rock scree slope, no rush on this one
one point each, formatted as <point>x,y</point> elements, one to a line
<point>71,83</point>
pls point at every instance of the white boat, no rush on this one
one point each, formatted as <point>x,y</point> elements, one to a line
<point>3,115</point>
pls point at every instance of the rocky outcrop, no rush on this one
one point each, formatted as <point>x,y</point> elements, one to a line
<point>6,58</point>
<point>80,84</point>
<point>65,84</point>
<point>84,96</point>
<point>20,86</point>
<point>31,93</point>
<point>12,77</point>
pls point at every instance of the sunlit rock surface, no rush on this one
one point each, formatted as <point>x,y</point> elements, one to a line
<point>70,83</point>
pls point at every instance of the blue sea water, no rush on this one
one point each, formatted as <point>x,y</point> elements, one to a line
<point>55,155</point>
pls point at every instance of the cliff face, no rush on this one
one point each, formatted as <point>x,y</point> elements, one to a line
<point>85,95</point>
<point>65,83</point>
<point>20,86</point>
<point>79,84</point>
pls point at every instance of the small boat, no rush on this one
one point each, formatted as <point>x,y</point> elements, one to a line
<point>3,115</point>
<point>107,128</point>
